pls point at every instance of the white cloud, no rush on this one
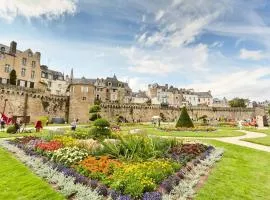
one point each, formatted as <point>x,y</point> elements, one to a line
<point>252,54</point>
<point>243,83</point>
<point>159,15</point>
<point>50,9</point>
<point>165,61</point>
<point>135,83</point>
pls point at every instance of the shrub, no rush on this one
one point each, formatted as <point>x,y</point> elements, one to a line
<point>137,148</point>
<point>95,109</point>
<point>69,155</point>
<point>101,129</point>
<point>94,117</point>
<point>11,129</point>
<point>102,123</point>
<point>184,119</point>
<point>80,133</point>
<point>137,178</point>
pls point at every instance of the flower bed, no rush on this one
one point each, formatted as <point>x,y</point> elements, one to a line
<point>134,167</point>
<point>195,129</point>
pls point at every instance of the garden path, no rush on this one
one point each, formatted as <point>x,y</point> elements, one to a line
<point>237,140</point>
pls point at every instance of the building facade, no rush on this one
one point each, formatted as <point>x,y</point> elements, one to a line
<point>205,98</point>
<point>25,63</point>
<point>55,81</point>
<point>190,98</point>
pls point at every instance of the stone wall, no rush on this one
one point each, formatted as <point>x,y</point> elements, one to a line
<point>145,113</point>
<point>20,101</point>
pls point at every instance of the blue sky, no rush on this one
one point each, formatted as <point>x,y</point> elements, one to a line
<point>222,46</point>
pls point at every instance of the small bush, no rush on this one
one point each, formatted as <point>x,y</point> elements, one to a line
<point>101,123</point>
<point>11,129</point>
<point>184,119</point>
<point>94,117</point>
<point>95,109</point>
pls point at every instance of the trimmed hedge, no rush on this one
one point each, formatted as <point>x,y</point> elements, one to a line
<point>184,119</point>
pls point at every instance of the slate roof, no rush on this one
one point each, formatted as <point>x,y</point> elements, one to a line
<point>204,94</point>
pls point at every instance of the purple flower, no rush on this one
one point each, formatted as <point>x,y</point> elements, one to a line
<point>152,196</point>
<point>102,190</point>
<point>114,194</point>
<point>93,184</point>
<point>166,186</point>
<point>124,197</point>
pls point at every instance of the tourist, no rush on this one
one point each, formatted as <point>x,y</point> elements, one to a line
<point>2,123</point>
<point>38,126</point>
<point>74,125</point>
<point>17,126</point>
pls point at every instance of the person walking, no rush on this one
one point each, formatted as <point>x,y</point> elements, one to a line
<point>38,126</point>
<point>74,125</point>
<point>2,123</point>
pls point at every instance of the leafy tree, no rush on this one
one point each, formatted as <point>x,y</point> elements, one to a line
<point>184,119</point>
<point>204,119</point>
<point>238,102</point>
<point>13,77</point>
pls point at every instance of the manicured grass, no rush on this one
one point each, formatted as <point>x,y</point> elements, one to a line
<point>18,182</point>
<point>222,132</point>
<point>243,173</point>
<point>264,140</point>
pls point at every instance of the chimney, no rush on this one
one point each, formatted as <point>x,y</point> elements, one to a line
<point>13,46</point>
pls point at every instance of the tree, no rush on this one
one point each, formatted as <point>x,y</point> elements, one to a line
<point>13,77</point>
<point>238,102</point>
<point>204,119</point>
<point>184,119</point>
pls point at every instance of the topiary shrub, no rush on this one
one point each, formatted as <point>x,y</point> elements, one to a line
<point>94,112</point>
<point>11,129</point>
<point>184,119</point>
<point>101,129</point>
<point>94,117</point>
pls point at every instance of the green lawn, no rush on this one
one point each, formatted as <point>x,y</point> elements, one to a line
<point>263,140</point>
<point>222,132</point>
<point>18,182</point>
<point>242,173</point>
<point>8,135</point>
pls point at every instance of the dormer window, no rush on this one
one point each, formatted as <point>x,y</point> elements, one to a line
<point>2,49</point>
<point>30,54</point>
<point>119,85</point>
<point>109,84</point>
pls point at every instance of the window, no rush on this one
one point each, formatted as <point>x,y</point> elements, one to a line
<point>30,54</point>
<point>49,84</point>
<point>4,81</point>
<point>33,63</point>
<point>7,68</point>
<point>23,72</point>
<point>43,74</point>
<point>2,49</point>
<point>24,61</point>
<point>109,84</point>
<point>22,83</point>
<point>114,90</point>
<point>33,74</point>
<point>119,85</point>
<point>84,89</point>
<point>84,98</point>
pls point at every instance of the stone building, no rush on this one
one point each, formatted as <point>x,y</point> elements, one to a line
<point>165,95</point>
<point>222,103</point>
<point>205,98</point>
<point>55,81</point>
<point>112,90</point>
<point>190,98</point>
<point>25,63</point>
<point>139,97</point>
<point>81,97</point>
